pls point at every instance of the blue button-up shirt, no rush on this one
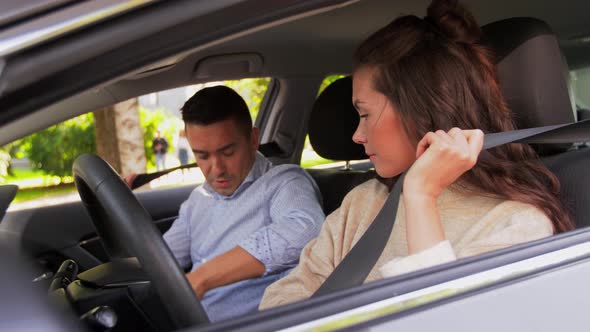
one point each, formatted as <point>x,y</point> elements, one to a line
<point>272,215</point>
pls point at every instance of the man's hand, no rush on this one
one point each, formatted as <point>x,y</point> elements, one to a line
<point>129,179</point>
<point>197,283</point>
<point>232,266</point>
<point>442,157</point>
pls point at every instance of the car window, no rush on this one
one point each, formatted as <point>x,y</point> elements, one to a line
<point>41,163</point>
<point>579,90</point>
<point>579,81</point>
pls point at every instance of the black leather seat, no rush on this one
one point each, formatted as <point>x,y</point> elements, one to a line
<point>531,73</point>
<point>332,122</point>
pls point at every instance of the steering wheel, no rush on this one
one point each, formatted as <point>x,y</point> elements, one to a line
<point>126,229</point>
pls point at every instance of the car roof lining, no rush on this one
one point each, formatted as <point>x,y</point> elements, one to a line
<point>19,104</point>
<point>13,11</point>
<point>326,50</point>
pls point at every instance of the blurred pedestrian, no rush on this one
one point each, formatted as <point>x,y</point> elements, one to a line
<point>160,147</point>
<point>183,148</point>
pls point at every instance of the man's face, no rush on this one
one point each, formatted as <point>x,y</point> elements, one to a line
<point>223,152</point>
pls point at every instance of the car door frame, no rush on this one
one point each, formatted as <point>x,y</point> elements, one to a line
<point>384,301</point>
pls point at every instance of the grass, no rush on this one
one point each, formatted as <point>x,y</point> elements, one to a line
<point>28,194</point>
<point>21,174</point>
<point>27,178</point>
<point>34,184</point>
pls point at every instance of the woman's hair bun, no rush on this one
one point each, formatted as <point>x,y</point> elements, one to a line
<point>454,21</point>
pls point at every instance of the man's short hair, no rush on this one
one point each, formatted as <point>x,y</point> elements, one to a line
<point>215,104</point>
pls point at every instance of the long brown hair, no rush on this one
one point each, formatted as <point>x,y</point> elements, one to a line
<point>438,77</point>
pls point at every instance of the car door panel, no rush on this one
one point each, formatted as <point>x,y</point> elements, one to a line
<point>528,305</point>
<point>53,233</point>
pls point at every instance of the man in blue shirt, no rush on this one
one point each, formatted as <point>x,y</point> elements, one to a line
<point>245,227</point>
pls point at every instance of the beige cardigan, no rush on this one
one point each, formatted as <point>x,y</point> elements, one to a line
<point>473,224</point>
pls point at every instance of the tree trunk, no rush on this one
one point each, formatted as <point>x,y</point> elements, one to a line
<point>119,137</point>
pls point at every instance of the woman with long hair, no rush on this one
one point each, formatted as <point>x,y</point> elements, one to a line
<point>426,92</point>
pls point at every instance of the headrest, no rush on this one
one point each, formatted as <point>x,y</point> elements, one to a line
<point>333,121</point>
<point>531,74</point>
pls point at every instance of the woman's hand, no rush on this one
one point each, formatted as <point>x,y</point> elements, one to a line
<point>441,158</point>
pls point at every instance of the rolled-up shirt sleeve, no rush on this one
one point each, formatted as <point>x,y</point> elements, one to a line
<point>296,218</point>
<point>178,236</point>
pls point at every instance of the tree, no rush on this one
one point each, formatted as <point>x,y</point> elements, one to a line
<point>54,149</point>
<point>120,137</point>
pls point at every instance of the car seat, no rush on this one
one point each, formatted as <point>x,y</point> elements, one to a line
<point>332,122</point>
<point>531,75</point>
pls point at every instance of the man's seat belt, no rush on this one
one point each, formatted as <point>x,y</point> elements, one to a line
<point>144,178</point>
<point>360,260</point>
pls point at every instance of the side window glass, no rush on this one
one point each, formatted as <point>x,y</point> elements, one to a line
<point>329,80</point>
<point>579,90</point>
<point>41,164</point>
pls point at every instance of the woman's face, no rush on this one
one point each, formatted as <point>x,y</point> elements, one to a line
<point>380,128</point>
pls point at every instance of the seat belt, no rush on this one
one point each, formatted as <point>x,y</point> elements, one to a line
<point>360,260</point>
<point>145,178</point>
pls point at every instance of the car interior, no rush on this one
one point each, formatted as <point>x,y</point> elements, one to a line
<point>535,47</point>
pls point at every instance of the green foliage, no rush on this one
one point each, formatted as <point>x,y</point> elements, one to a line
<point>152,121</point>
<point>4,162</point>
<point>28,178</point>
<point>54,149</point>
<point>28,194</point>
<point>252,90</point>
<point>329,80</point>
